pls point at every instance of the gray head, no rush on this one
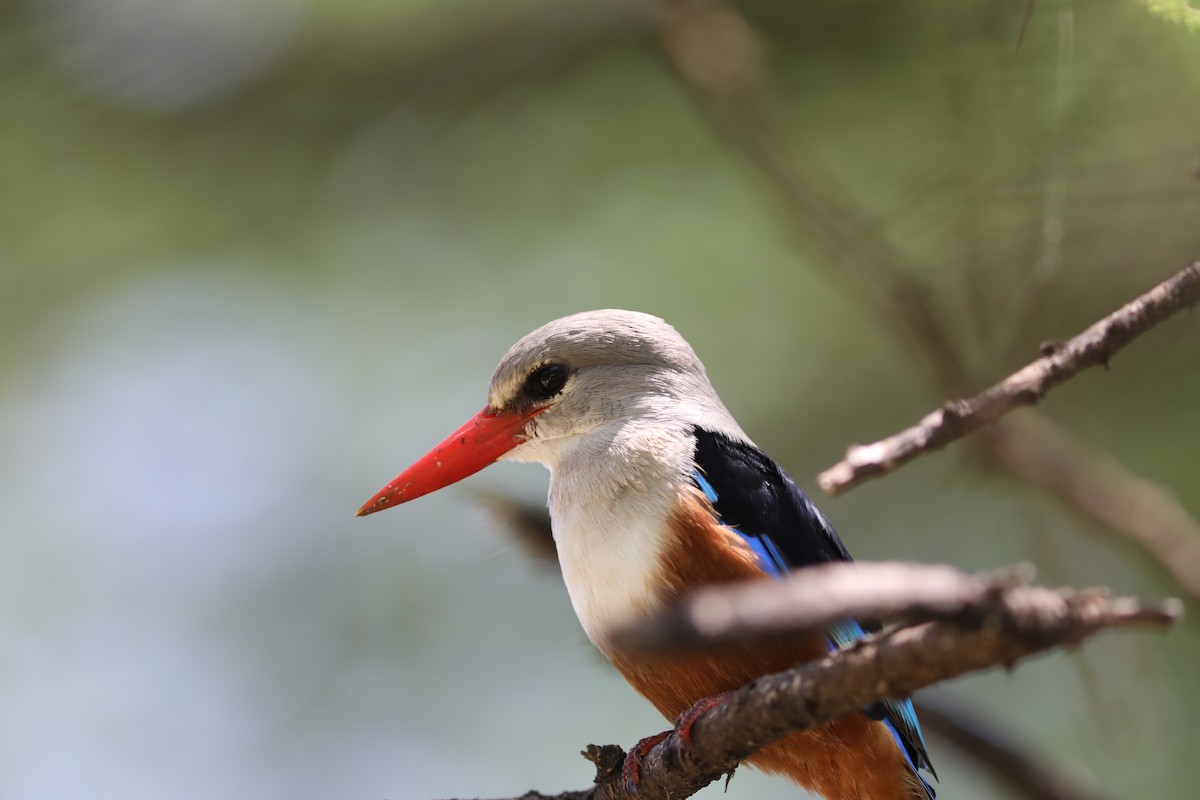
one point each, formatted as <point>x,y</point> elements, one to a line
<point>603,369</point>
<point>619,389</point>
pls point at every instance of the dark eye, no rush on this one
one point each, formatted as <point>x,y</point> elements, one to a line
<point>547,381</point>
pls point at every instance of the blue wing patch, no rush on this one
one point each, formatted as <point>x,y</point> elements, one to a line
<point>898,715</point>
<point>705,486</point>
<point>753,496</point>
<point>769,557</point>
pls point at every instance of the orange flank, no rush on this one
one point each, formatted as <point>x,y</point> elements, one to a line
<point>854,758</point>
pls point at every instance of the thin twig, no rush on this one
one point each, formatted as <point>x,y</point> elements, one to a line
<point>1093,348</point>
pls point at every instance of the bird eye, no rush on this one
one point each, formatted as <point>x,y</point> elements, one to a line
<point>547,381</point>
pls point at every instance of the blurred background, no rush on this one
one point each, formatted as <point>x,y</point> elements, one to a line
<point>256,256</point>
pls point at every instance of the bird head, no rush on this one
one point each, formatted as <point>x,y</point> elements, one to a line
<point>571,377</point>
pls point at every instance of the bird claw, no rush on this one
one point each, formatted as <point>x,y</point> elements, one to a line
<point>631,770</point>
<point>688,719</point>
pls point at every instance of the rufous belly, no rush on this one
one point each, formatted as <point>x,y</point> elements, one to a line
<point>854,758</point>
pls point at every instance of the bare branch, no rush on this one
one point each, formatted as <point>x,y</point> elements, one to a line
<point>1013,623</point>
<point>1094,347</point>
<point>811,599</point>
<point>1026,622</point>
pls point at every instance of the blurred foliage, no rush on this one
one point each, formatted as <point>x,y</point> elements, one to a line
<point>256,256</point>
<point>1179,11</point>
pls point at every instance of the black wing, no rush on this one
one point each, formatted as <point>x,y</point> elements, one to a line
<point>754,496</point>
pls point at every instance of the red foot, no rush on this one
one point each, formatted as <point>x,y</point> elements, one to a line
<point>688,719</point>
<point>631,770</point>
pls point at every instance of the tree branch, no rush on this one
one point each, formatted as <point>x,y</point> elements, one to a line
<point>1094,347</point>
<point>1005,624</point>
<point>810,600</point>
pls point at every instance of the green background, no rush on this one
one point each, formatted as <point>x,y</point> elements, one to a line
<point>256,257</point>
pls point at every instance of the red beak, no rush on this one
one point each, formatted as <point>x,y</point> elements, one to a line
<point>486,436</point>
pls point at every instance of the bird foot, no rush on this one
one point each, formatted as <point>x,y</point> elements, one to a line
<point>687,720</point>
<point>631,770</point>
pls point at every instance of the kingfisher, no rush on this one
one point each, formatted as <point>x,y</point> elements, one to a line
<point>656,491</point>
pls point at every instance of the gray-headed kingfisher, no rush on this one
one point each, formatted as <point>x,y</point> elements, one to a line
<point>655,491</point>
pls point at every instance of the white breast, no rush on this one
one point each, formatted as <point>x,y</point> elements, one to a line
<point>610,505</point>
<point>610,566</point>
